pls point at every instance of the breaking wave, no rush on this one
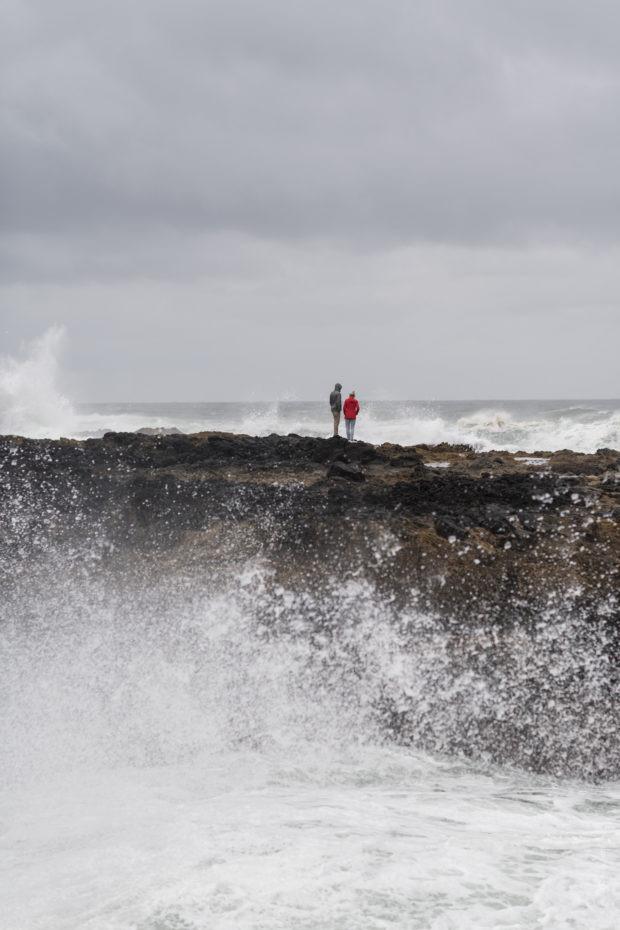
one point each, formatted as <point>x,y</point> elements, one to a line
<point>30,402</point>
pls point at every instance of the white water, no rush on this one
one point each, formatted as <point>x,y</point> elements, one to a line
<point>31,405</point>
<point>169,764</point>
<point>334,839</point>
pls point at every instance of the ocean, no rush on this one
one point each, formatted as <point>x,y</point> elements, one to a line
<point>168,766</point>
<point>511,425</point>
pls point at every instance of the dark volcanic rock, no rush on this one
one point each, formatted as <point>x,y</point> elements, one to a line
<point>515,566</point>
<point>158,487</point>
<point>160,431</point>
<point>447,527</point>
<point>340,469</point>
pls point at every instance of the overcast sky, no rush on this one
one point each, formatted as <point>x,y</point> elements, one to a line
<point>249,199</point>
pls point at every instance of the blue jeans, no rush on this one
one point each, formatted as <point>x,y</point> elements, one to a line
<point>350,427</point>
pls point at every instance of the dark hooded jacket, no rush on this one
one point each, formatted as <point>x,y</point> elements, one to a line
<point>335,399</point>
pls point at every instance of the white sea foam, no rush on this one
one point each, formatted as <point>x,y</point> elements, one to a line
<point>331,841</point>
<point>580,428</point>
<point>527,426</point>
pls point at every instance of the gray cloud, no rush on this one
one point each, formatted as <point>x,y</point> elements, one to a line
<point>281,162</point>
<point>351,120</point>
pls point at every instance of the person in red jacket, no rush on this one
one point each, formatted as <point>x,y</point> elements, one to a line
<point>350,408</point>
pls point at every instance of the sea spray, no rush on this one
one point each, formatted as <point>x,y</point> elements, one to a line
<point>30,402</point>
<point>432,608</point>
<point>220,709</point>
<point>104,670</point>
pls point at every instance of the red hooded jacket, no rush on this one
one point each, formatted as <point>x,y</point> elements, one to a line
<point>350,408</point>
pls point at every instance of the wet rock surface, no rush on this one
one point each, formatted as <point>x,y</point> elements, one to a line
<point>490,526</point>
<point>509,554</point>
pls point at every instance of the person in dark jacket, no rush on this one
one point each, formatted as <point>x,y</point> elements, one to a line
<point>350,409</point>
<point>335,402</point>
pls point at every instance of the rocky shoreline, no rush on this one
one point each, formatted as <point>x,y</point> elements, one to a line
<point>484,528</point>
<point>488,544</point>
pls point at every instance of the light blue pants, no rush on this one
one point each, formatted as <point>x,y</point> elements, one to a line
<point>350,426</point>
